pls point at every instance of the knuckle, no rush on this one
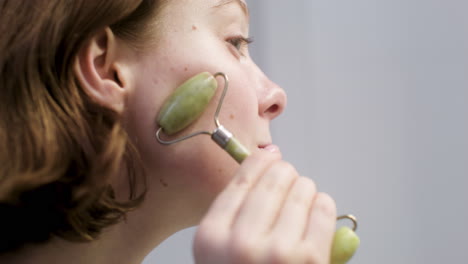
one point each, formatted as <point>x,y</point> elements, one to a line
<point>206,239</point>
<point>306,191</point>
<point>309,184</point>
<point>275,186</point>
<point>287,169</point>
<point>326,205</point>
<point>312,256</point>
<point>300,199</point>
<point>279,177</point>
<point>242,181</point>
<point>279,254</point>
<point>243,249</point>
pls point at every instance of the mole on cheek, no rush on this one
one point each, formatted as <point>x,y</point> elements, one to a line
<point>194,28</point>
<point>231,116</point>
<point>163,183</point>
<point>185,69</point>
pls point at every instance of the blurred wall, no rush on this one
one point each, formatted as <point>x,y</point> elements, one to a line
<point>377,115</point>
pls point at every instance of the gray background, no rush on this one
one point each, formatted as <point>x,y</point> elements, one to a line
<point>377,116</point>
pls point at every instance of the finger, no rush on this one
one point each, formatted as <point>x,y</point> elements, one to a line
<point>292,220</point>
<point>226,206</point>
<point>321,225</point>
<point>265,200</point>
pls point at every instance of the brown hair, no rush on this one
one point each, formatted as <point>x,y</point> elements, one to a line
<point>59,148</point>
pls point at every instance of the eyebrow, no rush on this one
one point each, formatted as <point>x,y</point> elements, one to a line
<point>240,2</point>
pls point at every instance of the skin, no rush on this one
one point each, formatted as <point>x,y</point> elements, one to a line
<point>259,212</point>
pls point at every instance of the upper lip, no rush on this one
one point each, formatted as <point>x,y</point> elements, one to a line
<point>264,145</point>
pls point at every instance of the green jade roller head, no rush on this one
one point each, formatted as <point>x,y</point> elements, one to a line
<point>187,104</point>
<point>345,242</point>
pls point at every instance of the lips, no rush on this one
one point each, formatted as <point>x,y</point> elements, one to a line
<point>269,147</point>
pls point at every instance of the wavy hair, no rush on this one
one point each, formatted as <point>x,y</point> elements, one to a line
<point>59,149</point>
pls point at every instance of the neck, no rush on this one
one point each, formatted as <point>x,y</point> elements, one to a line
<point>127,242</point>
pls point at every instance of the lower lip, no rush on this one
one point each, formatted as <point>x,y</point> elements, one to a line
<point>271,148</point>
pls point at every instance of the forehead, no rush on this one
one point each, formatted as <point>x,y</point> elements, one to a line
<point>241,3</point>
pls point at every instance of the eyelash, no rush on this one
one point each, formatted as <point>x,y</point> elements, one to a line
<point>239,43</point>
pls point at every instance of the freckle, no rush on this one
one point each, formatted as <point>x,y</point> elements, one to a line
<point>163,183</point>
<point>172,69</point>
<point>220,171</point>
<point>231,116</point>
<point>185,69</point>
<point>194,28</point>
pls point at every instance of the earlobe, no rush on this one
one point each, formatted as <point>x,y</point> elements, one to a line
<point>99,71</point>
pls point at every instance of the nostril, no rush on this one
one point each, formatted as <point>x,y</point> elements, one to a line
<point>272,101</point>
<point>273,109</point>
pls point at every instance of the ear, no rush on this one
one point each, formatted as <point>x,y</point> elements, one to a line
<point>100,72</point>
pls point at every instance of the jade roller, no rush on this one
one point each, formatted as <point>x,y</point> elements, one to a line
<point>187,104</point>
<point>345,242</point>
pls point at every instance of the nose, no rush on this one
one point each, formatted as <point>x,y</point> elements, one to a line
<point>272,100</point>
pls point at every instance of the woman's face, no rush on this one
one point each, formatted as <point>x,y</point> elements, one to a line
<point>193,37</point>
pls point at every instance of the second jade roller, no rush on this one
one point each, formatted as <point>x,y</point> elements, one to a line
<point>187,104</point>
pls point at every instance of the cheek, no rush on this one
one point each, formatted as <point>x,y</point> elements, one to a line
<point>202,166</point>
<point>198,164</point>
<point>239,113</point>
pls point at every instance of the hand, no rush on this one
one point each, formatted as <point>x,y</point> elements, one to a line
<point>267,214</point>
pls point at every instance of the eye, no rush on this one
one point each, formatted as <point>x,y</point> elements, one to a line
<point>240,43</point>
